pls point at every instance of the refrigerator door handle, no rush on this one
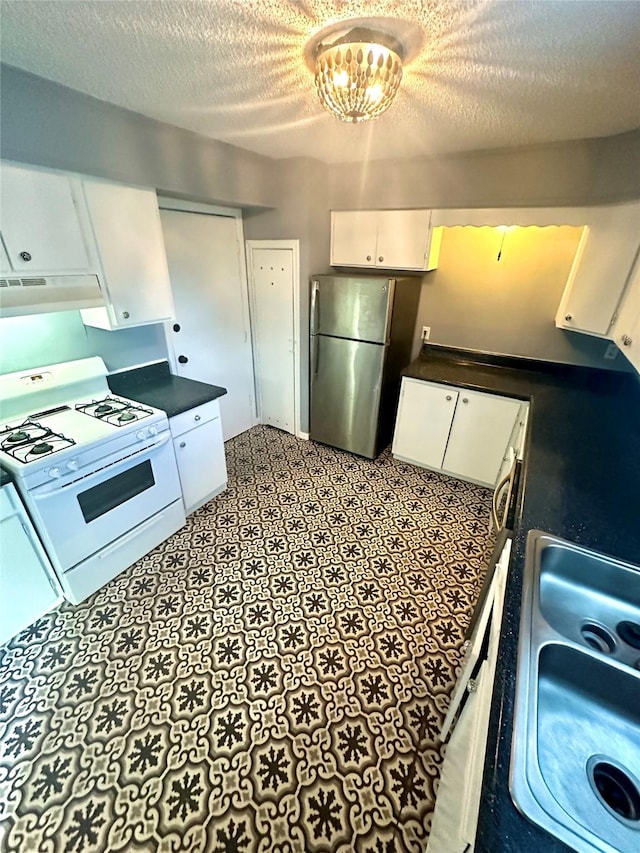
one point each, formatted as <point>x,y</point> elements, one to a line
<point>315,354</point>
<point>315,287</point>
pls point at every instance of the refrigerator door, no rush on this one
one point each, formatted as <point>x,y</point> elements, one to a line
<point>357,308</point>
<point>346,378</point>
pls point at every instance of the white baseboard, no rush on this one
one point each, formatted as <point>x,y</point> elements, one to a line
<point>303,435</point>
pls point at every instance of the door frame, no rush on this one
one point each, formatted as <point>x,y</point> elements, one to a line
<point>294,246</point>
<point>185,206</point>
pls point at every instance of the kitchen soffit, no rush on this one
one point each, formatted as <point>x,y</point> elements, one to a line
<point>487,74</point>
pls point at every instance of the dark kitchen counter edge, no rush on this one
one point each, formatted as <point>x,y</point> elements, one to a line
<point>581,467</point>
<point>155,385</point>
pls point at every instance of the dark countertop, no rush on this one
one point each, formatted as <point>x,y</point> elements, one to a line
<point>580,482</point>
<point>156,386</point>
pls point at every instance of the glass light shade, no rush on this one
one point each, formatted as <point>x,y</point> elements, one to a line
<point>357,81</point>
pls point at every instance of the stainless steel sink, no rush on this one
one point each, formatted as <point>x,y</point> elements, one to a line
<point>575,758</point>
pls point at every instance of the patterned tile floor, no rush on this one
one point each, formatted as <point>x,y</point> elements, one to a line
<point>272,678</point>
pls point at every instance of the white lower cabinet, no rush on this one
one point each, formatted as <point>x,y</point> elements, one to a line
<point>199,449</point>
<point>459,432</point>
<point>28,589</point>
<point>455,817</point>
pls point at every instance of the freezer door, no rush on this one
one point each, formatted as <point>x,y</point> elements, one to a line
<point>357,308</point>
<point>346,378</point>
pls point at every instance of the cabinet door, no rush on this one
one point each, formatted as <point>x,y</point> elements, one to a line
<point>425,413</point>
<point>353,238</point>
<point>601,269</point>
<point>479,436</point>
<point>41,227</point>
<point>26,592</point>
<point>126,224</point>
<point>201,464</point>
<point>403,239</point>
<point>627,329</point>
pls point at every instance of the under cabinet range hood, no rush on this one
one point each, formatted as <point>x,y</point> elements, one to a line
<point>43,294</point>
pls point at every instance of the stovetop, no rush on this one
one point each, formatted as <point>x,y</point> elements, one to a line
<point>66,436</point>
<point>62,418</point>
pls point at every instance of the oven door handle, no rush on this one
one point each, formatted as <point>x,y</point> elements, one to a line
<point>50,489</point>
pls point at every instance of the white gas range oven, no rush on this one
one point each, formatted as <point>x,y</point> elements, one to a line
<point>96,472</point>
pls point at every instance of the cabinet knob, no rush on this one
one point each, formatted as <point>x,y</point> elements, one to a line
<point>25,256</point>
<point>183,359</point>
<point>126,315</point>
<point>465,400</point>
<point>368,257</point>
<point>448,396</point>
<point>197,418</point>
<point>183,444</point>
<point>380,259</point>
<point>176,327</point>
<point>627,340</point>
<point>568,317</point>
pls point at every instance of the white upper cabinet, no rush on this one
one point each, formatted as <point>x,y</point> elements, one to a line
<point>58,224</point>
<point>626,332</point>
<point>42,223</point>
<point>385,239</point>
<point>601,269</point>
<point>126,225</point>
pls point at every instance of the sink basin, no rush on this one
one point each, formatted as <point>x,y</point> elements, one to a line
<point>575,759</point>
<point>589,599</point>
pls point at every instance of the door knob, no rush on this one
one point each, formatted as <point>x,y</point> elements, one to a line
<point>368,257</point>
<point>464,400</point>
<point>183,359</point>
<point>627,340</point>
<point>176,327</point>
<point>25,256</point>
<point>448,396</point>
<point>568,317</point>
<point>380,259</point>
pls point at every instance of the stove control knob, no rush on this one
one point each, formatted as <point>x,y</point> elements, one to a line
<point>55,472</point>
<point>72,465</point>
<point>142,434</point>
<point>153,430</point>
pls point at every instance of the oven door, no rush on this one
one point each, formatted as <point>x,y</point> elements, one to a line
<point>77,519</point>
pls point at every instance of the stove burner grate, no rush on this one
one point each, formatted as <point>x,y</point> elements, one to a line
<point>114,411</point>
<point>30,440</point>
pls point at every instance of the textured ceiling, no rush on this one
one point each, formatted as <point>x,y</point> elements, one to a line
<point>487,73</point>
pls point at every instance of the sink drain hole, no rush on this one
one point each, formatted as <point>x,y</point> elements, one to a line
<point>598,637</point>
<point>617,790</point>
<point>629,632</point>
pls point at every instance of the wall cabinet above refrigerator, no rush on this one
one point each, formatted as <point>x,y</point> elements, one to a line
<point>384,239</point>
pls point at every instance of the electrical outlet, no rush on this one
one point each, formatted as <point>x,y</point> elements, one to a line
<point>426,331</point>
<point>611,351</point>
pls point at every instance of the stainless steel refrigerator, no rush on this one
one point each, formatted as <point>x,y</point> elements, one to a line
<point>361,335</point>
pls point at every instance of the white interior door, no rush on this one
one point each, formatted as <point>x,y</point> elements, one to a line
<point>271,280</point>
<point>212,320</point>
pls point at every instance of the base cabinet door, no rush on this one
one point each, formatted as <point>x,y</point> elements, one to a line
<point>200,455</point>
<point>27,588</point>
<point>479,436</point>
<point>425,413</point>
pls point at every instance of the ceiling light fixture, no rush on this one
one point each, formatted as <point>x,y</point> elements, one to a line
<point>358,73</point>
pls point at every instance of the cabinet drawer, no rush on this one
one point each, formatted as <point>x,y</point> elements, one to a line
<point>185,421</point>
